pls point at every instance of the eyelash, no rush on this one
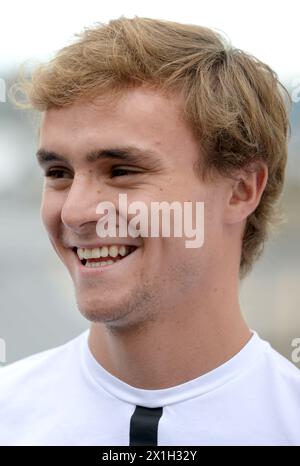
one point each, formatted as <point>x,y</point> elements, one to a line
<point>53,172</point>
<point>126,170</point>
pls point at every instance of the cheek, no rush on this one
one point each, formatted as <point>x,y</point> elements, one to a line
<point>51,213</point>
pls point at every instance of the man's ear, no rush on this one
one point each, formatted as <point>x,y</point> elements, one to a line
<point>245,192</point>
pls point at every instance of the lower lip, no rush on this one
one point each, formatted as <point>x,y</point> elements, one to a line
<point>91,271</point>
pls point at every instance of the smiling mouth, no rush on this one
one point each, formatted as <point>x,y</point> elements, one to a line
<point>103,256</point>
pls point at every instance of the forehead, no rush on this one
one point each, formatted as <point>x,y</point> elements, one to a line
<point>138,117</point>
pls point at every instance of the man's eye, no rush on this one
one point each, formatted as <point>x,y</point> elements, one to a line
<point>119,171</point>
<point>56,173</point>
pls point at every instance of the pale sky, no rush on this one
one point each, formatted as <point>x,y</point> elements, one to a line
<point>268,29</point>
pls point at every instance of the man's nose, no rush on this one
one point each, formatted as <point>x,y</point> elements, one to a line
<point>79,208</point>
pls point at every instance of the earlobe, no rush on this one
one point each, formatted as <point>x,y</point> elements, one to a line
<point>246,191</point>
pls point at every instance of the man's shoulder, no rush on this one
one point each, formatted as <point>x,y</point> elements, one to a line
<point>282,372</point>
<point>284,365</point>
<point>37,366</point>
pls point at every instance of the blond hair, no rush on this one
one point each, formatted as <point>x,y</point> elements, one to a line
<point>234,103</point>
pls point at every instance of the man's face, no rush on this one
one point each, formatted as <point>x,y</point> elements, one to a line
<point>160,272</point>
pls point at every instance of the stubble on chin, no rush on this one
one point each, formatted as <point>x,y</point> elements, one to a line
<point>140,308</point>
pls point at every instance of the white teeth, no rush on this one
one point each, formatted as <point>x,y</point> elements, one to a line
<point>88,253</point>
<point>122,251</point>
<point>96,253</point>
<point>80,253</point>
<point>104,251</point>
<point>113,251</point>
<point>99,264</point>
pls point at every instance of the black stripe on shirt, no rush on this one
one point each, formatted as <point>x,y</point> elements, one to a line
<point>144,426</point>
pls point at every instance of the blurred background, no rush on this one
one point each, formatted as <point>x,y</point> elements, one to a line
<point>37,304</point>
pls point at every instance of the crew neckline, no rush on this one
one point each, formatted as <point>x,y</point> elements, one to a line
<point>234,367</point>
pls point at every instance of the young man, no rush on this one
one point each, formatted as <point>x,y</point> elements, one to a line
<point>158,111</point>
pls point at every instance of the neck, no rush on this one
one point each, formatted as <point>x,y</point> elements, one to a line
<point>187,341</point>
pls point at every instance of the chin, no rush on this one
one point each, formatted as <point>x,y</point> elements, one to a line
<point>113,312</point>
<point>97,310</point>
<point>121,314</point>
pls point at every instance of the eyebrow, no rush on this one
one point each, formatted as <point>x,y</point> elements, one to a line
<point>129,154</point>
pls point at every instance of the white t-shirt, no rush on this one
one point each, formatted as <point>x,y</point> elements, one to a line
<point>64,397</point>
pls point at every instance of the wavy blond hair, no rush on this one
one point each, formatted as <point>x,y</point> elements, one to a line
<point>234,103</point>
